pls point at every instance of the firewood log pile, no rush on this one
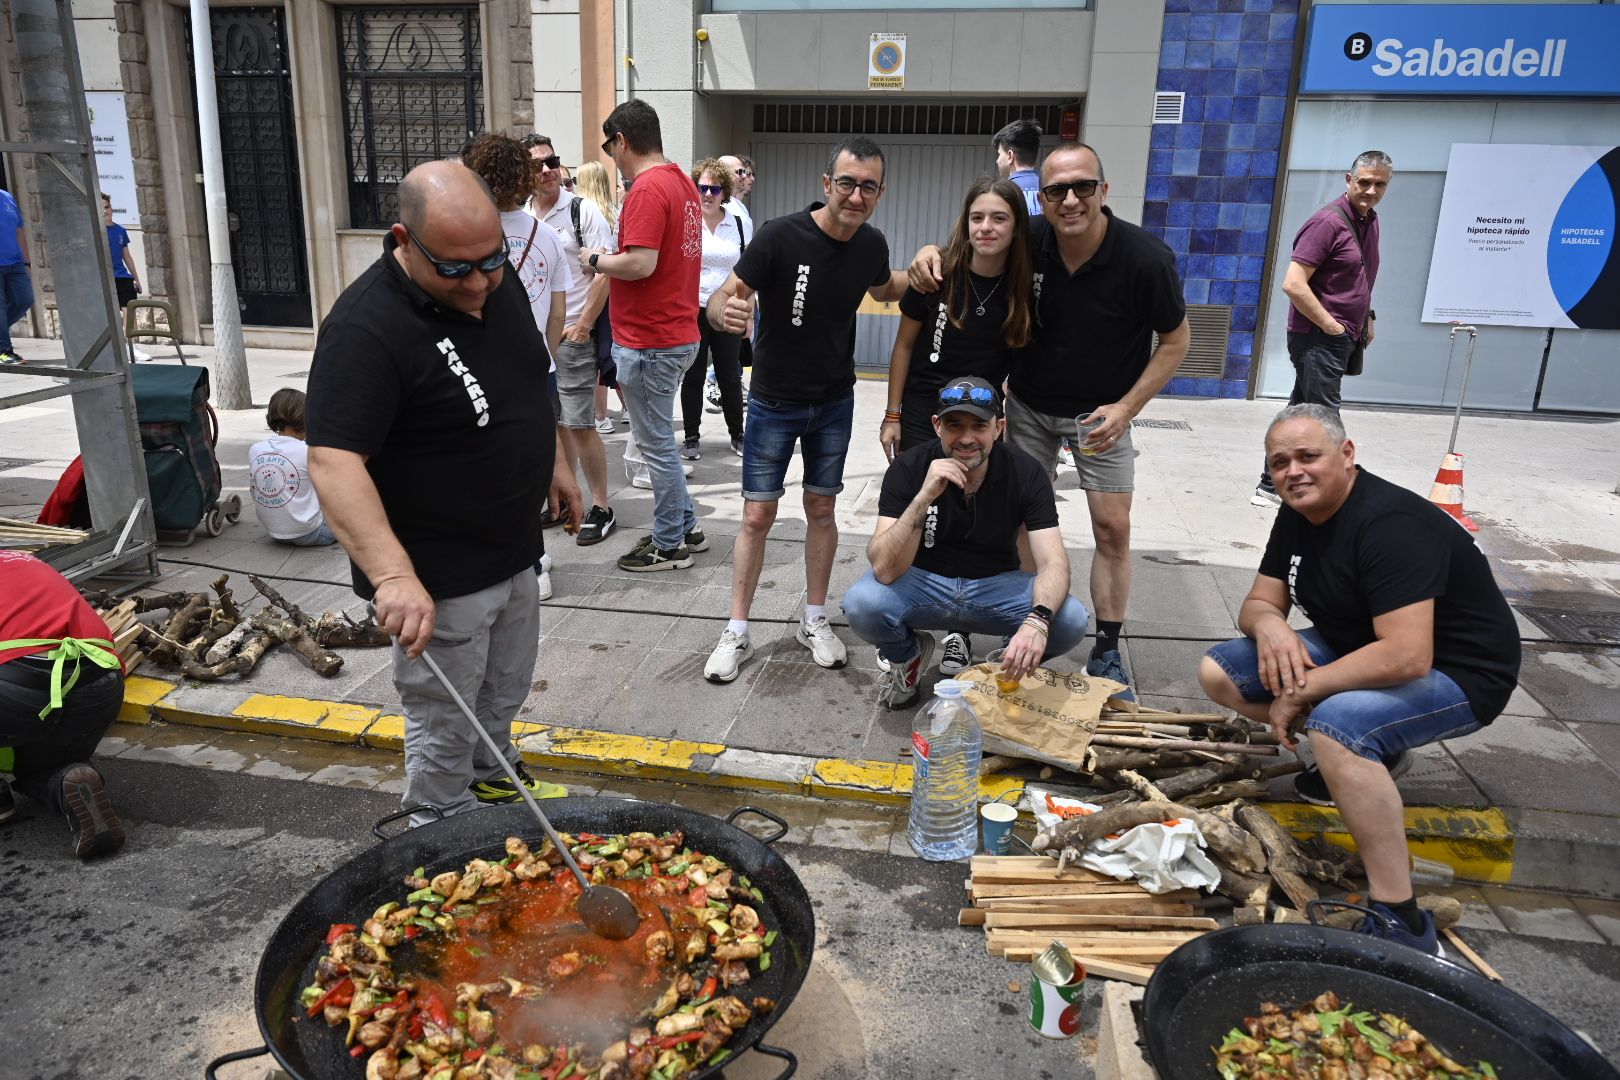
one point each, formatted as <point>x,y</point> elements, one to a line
<point>210,637</point>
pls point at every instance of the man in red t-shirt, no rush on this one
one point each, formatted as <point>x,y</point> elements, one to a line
<point>654,299</point>
<point>61,685</point>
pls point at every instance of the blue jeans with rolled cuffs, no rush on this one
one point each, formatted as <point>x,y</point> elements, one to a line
<point>822,431</point>
<point>1375,724</point>
<point>650,379</point>
<point>885,615</point>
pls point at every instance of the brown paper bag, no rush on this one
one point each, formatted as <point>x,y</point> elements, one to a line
<point>1051,717</point>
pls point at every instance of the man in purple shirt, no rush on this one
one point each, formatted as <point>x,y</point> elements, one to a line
<point>1329,286</point>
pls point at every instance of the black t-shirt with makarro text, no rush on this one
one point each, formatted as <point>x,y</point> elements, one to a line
<point>453,415</point>
<point>944,351</point>
<point>972,537</point>
<point>1387,548</point>
<point>810,287</point>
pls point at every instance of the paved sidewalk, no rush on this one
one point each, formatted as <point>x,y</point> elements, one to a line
<point>1533,799</point>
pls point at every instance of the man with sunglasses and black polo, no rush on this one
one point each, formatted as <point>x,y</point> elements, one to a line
<point>945,551</point>
<point>431,446</point>
<point>1103,289</point>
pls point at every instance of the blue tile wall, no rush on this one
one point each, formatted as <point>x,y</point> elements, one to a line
<point>1211,178</point>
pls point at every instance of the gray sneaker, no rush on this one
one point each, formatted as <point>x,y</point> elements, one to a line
<point>689,448</point>
<point>727,657</point>
<point>955,655</point>
<point>903,682</point>
<point>1264,496</point>
<point>817,636</point>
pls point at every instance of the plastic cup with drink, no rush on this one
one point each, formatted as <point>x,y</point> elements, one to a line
<point>1083,430</point>
<point>1005,683</point>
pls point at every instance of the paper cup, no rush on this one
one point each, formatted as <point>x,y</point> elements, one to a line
<point>1054,1010</point>
<point>996,820</point>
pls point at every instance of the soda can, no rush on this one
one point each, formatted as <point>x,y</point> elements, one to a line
<point>1054,992</point>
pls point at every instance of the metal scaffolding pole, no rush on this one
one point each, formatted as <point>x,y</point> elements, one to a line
<point>230,372</point>
<point>95,374</point>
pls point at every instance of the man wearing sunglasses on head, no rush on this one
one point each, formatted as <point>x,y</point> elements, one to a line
<point>578,225</point>
<point>810,271</point>
<point>431,445</point>
<point>945,551</point>
<point>1103,289</point>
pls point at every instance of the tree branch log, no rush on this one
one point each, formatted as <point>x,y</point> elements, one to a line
<point>1226,839</point>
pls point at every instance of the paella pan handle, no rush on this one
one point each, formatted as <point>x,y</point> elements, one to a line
<point>773,1051</point>
<point>377,829</point>
<point>781,831</point>
<point>225,1059</point>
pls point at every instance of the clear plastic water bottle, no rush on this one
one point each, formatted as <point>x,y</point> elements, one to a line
<point>947,743</point>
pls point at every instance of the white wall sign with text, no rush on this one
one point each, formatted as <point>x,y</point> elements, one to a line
<point>1526,237</point>
<point>115,166</point>
<point>886,62</point>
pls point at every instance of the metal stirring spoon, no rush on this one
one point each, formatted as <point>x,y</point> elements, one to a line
<point>606,912</point>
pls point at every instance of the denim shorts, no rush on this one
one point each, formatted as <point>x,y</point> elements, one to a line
<point>1038,434</point>
<point>773,427</point>
<point>1374,724</point>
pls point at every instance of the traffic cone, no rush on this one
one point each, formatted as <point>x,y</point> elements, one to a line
<point>1447,492</point>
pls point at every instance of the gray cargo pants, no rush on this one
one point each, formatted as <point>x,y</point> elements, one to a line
<point>486,644</point>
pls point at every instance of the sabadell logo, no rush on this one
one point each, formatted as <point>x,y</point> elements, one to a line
<point>1440,60</point>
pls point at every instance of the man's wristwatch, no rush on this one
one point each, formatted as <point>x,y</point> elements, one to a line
<point>1043,611</point>
<point>594,256</point>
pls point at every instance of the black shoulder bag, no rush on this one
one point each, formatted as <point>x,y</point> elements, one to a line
<point>745,352</point>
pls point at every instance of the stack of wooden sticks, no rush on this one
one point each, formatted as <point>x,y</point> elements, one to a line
<point>1117,929</point>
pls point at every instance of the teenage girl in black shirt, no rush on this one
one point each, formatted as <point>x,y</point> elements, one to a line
<point>974,324</point>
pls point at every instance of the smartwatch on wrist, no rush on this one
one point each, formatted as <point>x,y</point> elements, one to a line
<point>1043,611</point>
<point>594,256</point>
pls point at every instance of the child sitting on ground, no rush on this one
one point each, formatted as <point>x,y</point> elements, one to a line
<point>279,473</point>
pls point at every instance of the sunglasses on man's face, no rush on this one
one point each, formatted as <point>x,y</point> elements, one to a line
<point>955,395</point>
<point>1083,189</point>
<point>607,143</point>
<point>745,173</point>
<point>459,268</point>
<point>569,183</point>
<point>711,189</point>
<point>552,162</point>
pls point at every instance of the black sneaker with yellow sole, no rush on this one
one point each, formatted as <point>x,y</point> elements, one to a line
<point>500,789</point>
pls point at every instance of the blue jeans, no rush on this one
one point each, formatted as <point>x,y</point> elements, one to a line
<point>885,615</point>
<point>650,379</point>
<point>17,293</point>
<point>772,429</point>
<point>1374,724</point>
<point>320,536</point>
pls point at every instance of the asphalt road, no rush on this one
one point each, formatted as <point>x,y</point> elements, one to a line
<point>141,965</point>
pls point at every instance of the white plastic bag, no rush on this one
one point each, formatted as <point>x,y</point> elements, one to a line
<point>1159,857</point>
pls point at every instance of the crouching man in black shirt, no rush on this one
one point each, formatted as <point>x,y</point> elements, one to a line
<point>432,446</point>
<point>945,551</point>
<point>1412,643</point>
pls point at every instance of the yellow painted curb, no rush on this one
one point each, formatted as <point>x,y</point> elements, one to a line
<point>618,755</point>
<point>1477,844</point>
<point>271,714</point>
<point>385,733</point>
<point>140,694</point>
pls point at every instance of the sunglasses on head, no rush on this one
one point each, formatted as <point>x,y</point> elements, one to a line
<point>711,189</point>
<point>955,395</point>
<point>459,268</point>
<point>551,162</point>
<point>1083,189</point>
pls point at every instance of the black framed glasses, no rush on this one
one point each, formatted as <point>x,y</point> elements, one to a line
<point>607,143</point>
<point>745,173</point>
<point>846,185</point>
<point>955,395</point>
<point>711,189</point>
<point>1083,189</point>
<point>459,268</point>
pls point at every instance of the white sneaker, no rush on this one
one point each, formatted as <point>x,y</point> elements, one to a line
<point>711,396</point>
<point>640,477</point>
<point>954,655</point>
<point>1263,497</point>
<point>728,656</point>
<point>140,354</point>
<point>542,573</point>
<point>1065,456</point>
<point>817,636</point>
<point>604,425</point>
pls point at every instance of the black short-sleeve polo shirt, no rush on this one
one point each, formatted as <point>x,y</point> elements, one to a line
<point>1094,328</point>
<point>453,415</point>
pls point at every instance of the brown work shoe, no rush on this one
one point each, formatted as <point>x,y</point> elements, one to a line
<point>94,823</point>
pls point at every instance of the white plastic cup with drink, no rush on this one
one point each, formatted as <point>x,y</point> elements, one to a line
<point>1083,430</point>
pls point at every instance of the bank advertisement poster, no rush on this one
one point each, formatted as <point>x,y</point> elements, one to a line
<point>1526,237</point>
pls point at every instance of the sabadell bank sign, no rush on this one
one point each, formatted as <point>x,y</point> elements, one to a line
<point>1463,49</point>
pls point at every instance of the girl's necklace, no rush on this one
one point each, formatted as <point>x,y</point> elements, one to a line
<point>986,297</point>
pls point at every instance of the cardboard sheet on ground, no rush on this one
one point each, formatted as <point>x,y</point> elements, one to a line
<point>1160,857</point>
<point>1051,717</point>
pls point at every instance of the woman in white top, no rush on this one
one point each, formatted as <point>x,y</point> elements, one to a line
<point>278,469</point>
<point>725,237</point>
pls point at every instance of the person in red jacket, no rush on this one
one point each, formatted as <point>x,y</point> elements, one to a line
<point>61,685</point>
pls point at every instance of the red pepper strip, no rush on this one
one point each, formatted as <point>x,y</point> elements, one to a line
<point>338,930</point>
<point>710,985</point>
<point>472,1055</point>
<point>437,1012</point>
<point>399,1001</point>
<point>698,897</point>
<point>591,838</point>
<point>416,1027</point>
<point>411,931</point>
<point>358,1050</point>
<point>672,1041</point>
<point>341,994</point>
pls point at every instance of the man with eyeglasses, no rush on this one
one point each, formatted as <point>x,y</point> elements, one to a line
<point>430,444</point>
<point>809,271</point>
<point>655,312</point>
<point>578,225</point>
<point>945,551</point>
<point>743,175</point>
<point>1329,285</point>
<point>1103,289</point>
